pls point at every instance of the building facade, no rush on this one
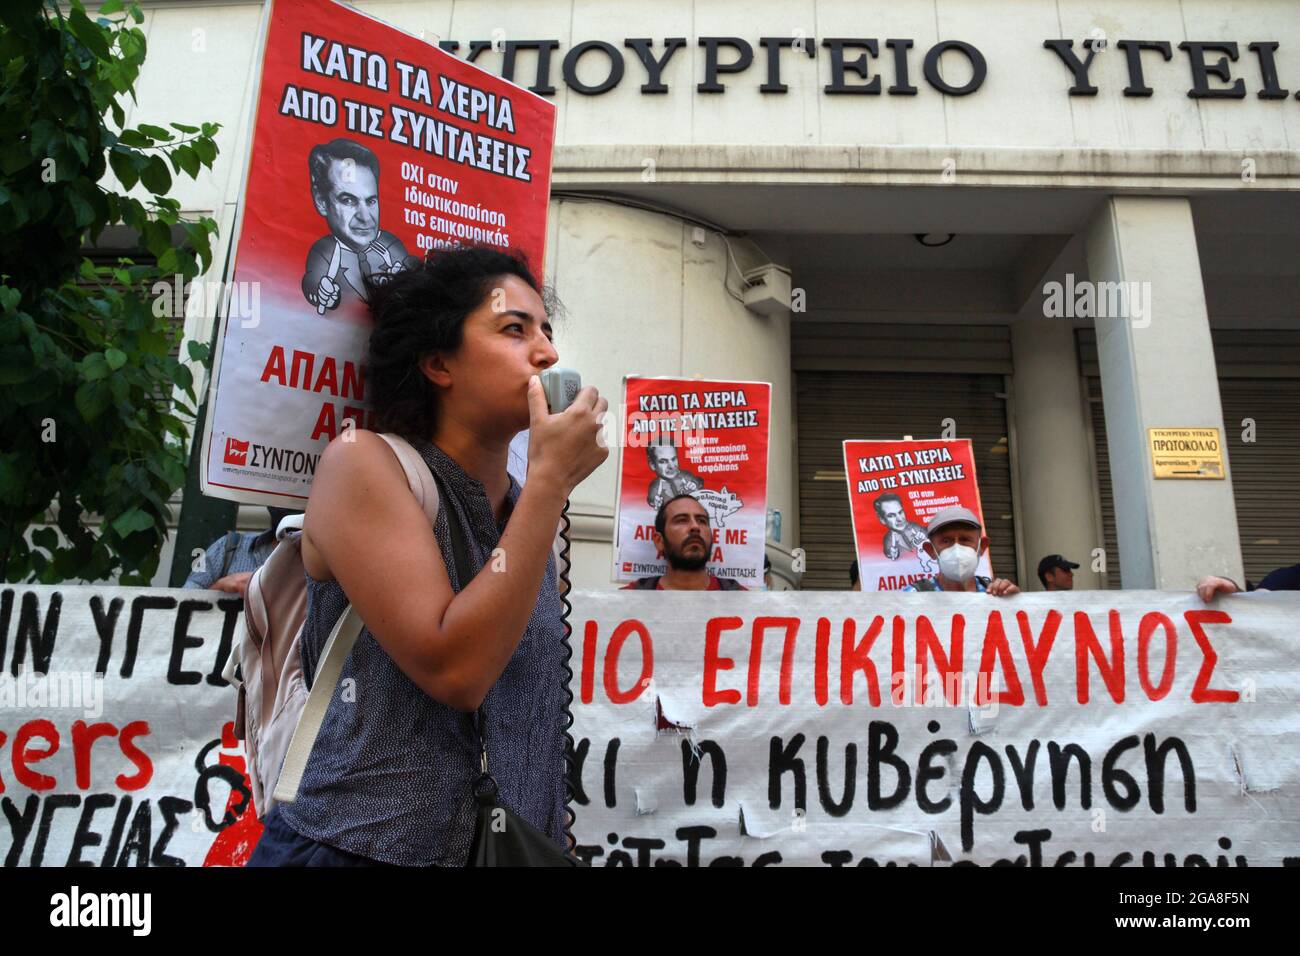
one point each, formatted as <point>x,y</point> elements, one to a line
<point>1049,227</point>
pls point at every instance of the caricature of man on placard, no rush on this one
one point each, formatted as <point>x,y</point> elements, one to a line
<point>670,480</point>
<point>345,190</point>
<point>901,534</point>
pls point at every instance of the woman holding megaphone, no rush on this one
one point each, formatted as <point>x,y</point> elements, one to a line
<point>453,661</point>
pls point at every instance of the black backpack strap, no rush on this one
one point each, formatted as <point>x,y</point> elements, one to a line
<point>646,584</point>
<point>228,555</point>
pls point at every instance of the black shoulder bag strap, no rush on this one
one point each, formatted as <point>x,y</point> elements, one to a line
<point>464,574</point>
<point>501,837</point>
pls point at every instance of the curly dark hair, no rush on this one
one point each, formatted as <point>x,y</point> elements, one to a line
<point>423,310</point>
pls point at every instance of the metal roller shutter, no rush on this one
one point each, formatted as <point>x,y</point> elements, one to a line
<point>833,406</point>
<point>1259,380</point>
<point>1264,472</point>
<point>1110,578</point>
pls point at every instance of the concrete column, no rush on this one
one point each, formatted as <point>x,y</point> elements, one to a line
<point>1056,490</point>
<point>1158,371</point>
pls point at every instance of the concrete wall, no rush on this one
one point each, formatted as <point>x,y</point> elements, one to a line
<point>1158,371</point>
<point>1022,117</point>
<point>1056,489</point>
<point>1023,102</point>
<point>641,296</point>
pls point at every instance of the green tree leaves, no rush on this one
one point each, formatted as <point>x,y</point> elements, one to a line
<point>88,359</point>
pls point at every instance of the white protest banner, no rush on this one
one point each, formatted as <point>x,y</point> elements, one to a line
<point>116,729</point>
<point>1135,728</point>
<point>1138,728</point>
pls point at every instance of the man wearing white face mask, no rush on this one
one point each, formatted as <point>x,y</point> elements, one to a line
<point>956,541</point>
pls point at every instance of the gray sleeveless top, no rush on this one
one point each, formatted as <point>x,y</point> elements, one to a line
<point>391,772</point>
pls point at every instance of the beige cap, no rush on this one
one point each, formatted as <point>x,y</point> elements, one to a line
<point>954,515</point>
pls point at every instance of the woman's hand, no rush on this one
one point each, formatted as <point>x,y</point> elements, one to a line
<point>563,449</point>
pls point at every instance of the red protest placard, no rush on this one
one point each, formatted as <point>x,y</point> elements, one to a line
<point>703,438</point>
<point>895,488</point>
<point>369,148</point>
